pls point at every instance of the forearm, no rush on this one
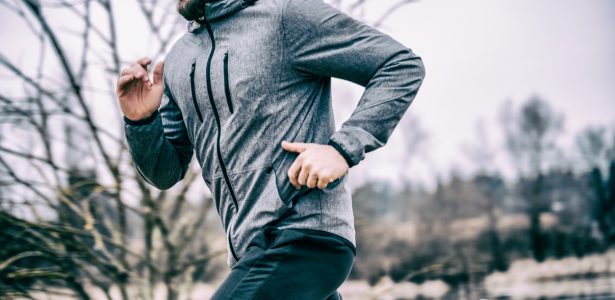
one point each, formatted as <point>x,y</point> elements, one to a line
<point>328,43</point>
<point>156,159</point>
<point>386,99</point>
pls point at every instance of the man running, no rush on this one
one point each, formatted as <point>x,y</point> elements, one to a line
<point>248,88</point>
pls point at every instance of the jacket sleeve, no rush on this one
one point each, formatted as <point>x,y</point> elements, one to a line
<point>159,145</point>
<point>324,42</point>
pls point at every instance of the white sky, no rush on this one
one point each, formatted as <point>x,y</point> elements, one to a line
<point>477,53</point>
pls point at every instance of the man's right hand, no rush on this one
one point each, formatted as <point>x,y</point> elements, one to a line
<point>139,97</point>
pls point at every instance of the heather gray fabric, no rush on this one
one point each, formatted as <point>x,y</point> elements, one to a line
<point>266,80</point>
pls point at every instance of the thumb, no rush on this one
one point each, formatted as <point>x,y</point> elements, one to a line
<point>158,70</point>
<point>294,147</point>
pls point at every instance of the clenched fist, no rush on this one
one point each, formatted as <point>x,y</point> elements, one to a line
<point>316,166</point>
<point>139,97</point>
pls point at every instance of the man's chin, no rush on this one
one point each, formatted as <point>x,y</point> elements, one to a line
<point>191,9</point>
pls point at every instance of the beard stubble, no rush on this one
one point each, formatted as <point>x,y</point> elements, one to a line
<point>191,9</point>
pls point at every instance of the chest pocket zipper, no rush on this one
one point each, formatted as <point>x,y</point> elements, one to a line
<point>193,91</point>
<point>227,88</point>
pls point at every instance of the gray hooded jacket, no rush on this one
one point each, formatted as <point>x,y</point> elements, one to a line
<point>254,74</point>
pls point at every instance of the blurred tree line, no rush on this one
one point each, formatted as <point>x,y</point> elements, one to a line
<point>557,204</point>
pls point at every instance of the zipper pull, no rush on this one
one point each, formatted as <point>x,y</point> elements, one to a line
<point>193,68</point>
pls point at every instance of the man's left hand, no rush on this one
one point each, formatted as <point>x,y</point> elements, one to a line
<point>316,166</point>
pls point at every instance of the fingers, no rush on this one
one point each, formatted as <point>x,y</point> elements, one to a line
<point>138,69</point>
<point>293,173</point>
<point>144,61</point>
<point>323,182</point>
<point>301,173</point>
<point>297,167</point>
<point>158,71</point>
<point>123,82</point>
<point>304,174</point>
<point>295,147</point>
<point>134,73</point>
<point>306,171</point>
<point>312,180</point>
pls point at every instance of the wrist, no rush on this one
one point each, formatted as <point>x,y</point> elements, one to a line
<point>342,152</point>
<point>141,120</point>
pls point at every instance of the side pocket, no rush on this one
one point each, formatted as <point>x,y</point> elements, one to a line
<point>260,205</point>
<point>286,190</point>
<point>274,177</point>
<point>258,188</point>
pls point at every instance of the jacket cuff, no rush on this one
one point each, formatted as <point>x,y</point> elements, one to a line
<point>143,121</point>
<point>343,152</point>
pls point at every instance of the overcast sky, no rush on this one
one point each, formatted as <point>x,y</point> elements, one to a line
<point>478,53</point>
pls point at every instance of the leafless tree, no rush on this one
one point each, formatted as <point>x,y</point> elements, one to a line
<point>531,139</point>
<point>597,150</point>
<point>490,188</point>
<point>596,146</point>
<point>69,190</point>
<point>357,8</point>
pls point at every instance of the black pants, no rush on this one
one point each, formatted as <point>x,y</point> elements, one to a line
<point>290,264</point>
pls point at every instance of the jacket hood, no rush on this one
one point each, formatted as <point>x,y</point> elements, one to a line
<point>216,10</point>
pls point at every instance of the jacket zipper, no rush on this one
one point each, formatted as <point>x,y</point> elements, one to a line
<point>227,88</point>
<point>193,91</point>
<point>217,117</point>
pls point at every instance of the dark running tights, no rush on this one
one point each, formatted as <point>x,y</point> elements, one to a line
<point>290,264</point>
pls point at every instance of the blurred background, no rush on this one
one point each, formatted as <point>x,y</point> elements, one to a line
<point>499,182</point>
